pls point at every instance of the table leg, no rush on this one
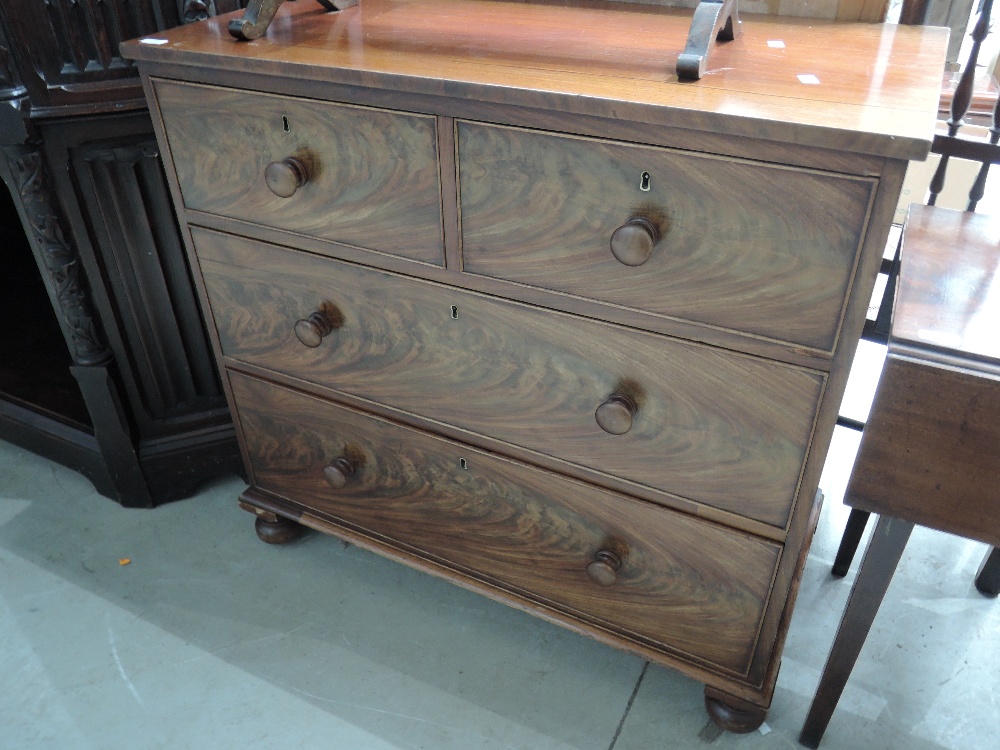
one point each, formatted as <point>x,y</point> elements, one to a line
<point>884,550</point>
<point>849,542</point>
<point>988,577</point>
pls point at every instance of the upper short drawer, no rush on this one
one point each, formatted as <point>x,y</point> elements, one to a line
<point>371,177</point>
<point>722,429</point>
<point>740,245</point>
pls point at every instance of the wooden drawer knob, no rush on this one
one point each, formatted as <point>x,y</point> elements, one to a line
<point>632,243</point>
<point>311,331</point>
<point>615,415</point>
<point>284,177</point>
<point>604,569</point>
<point>339,472</point>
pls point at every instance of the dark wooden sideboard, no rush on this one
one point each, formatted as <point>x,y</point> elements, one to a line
<point>495,295</point>
<point>104,361</point>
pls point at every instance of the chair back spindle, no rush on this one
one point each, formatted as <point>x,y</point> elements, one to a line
<point>961,146</point>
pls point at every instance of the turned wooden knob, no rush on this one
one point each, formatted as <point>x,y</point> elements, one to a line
<point>338,472</point>
<point>632,243</point>
<point>615,415</point>
<point>284,177</point>
<point>311,331</point>
<point>604,569</point>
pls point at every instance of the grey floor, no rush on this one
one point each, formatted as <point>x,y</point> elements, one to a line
<point>208,638</point>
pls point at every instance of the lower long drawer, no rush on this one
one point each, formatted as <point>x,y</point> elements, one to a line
<point>668,580</point>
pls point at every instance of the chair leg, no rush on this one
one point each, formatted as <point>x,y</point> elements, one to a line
<point>988,577</point>
<point>878,329</point>
<point>884,550</point>
<point>849,542</point>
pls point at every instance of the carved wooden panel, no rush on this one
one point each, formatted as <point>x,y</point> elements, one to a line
<point>107,245</point>
<point>10,82</point>
<point>521,528</point>
<point>61,45</point>
<point>58,259</point>
<point>123,192</point>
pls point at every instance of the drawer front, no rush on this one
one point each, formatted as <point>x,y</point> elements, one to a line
<point>743,246</point>
<point>683,584</point>
<point>719,428</point>
<point>372,177</point>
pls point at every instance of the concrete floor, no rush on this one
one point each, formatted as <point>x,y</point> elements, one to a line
<point>210,639</point>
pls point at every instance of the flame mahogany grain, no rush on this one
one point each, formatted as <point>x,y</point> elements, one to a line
<point>475,159</point>
<point>522,528</point>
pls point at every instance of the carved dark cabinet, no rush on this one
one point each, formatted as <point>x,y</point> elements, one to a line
<point>104,361</point>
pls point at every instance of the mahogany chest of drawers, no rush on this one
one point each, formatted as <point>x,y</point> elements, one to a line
<point>535,316</point>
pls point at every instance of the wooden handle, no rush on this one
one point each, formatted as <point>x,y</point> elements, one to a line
<point>632,243</point>
<point>256,18</point>
<point>311,331</point>
<point>284,177</point>
<point>604,569</point>
<point>615,415</point>
<point>339,472</point>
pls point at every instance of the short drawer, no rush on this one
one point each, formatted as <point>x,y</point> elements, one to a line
<point>741,245</point>
<point>371,177</point>
<point>711,426</point>
<point>666,579</point>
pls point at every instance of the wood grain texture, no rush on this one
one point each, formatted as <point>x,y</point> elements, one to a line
<point>726,430</point>
<point>929,450</point>
<point>878,89</point>
<point>373,175</point>
<point>745,246</point>
<point>731,340</point>
<point>609,126</point>
<point>856,10</point>
<point>806,512</point>
<point>431,365</point>
<point>948,297</point>
<point>516,526</point>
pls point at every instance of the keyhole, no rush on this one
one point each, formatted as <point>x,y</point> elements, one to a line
<point>454,312</point>
<point>644,182</point>
<point>284,124</point>
<point>463,463</point>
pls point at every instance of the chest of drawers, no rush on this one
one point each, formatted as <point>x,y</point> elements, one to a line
<point>537,317</point>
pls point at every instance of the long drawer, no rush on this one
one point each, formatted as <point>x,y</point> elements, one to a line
<point>370,177</point>
<point>700,423</point>
<point>658,576</point>
<point>746,246</point>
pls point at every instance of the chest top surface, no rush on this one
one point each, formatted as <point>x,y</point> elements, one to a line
<point>866,88</point>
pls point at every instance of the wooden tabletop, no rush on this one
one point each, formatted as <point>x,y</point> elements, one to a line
<point>929,450</point>
<point>867,88</point>
<point>949,288</point>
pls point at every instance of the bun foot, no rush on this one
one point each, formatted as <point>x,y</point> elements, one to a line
<point>277,531</point>
<point>733,714</point>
